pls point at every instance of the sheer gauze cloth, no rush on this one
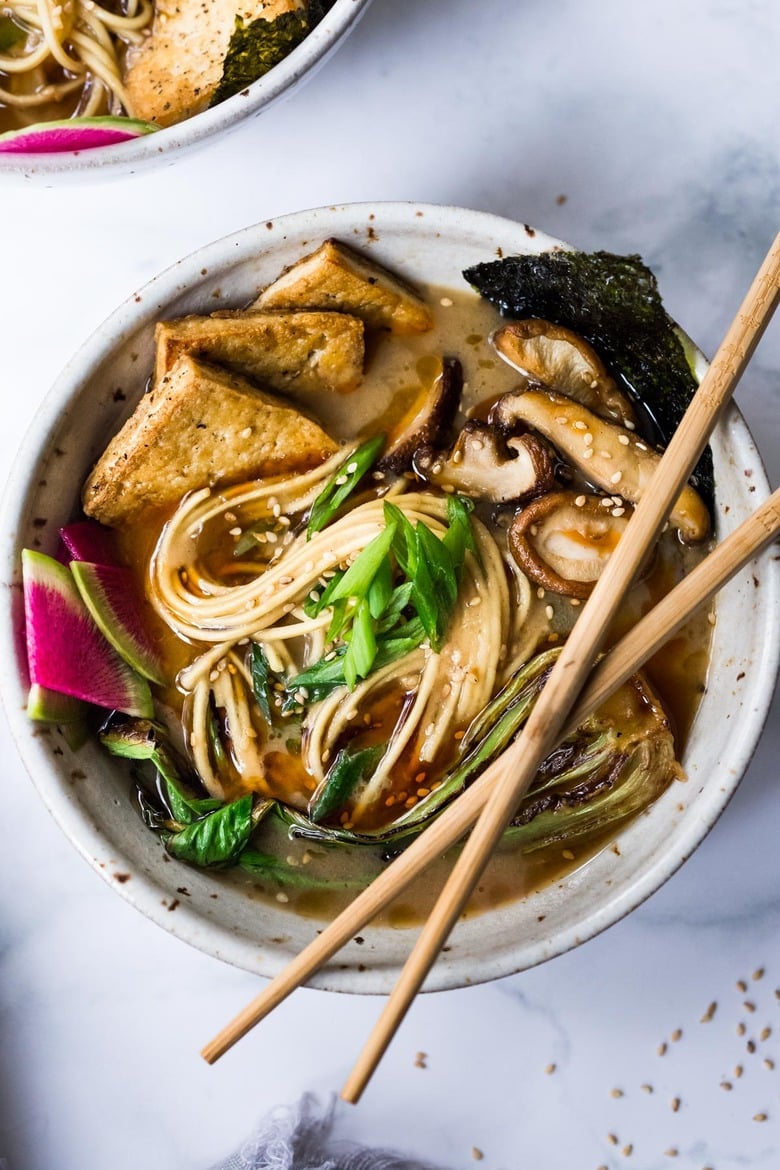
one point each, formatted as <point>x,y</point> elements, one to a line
<point>299,1137</point>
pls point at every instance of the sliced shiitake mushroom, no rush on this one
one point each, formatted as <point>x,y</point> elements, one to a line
<point>427,420</point>
<point>607,455</point>
<point>486,466</point>
<point>565,362</point>
<point>563,540</point>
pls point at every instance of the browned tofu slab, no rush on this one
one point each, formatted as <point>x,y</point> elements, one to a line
<point>175,72</point>
<point>336,277</point>
<point>299,354</point>
<point>200,426</point>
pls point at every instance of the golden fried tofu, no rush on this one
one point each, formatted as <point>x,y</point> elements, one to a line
<point>176,71</point>
<point>336,277</point>
<point>299,354</point>
<point>200,426</point>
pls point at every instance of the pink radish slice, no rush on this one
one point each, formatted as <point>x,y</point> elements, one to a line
<point>87,540</point>
<point>66,651</point>
<point>72,134</point>
<point>111,596</point>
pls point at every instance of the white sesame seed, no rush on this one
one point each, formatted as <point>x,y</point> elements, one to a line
<point>580,501</point>
<point>340,480</point>
<point>587,453</point>
<point>640,446</point>
<point>579,425</point>
<point>351,467</point>
<point>549,612</point>
<point>630,426</point>
<point>561,419</point>
<point>616,478</point>
<point>618,512</point>
<point>271,537</point>
<point>607,502</point>
<point>446,302</point>
<point>246,433</point>
<point>624,439</point>
<point>588,439</point>
<point>282,897</point>
<point>235,531</point>
<point>605,454</point>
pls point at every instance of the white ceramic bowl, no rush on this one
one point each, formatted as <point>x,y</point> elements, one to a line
<point>87,793</point>
<point>109,162</point>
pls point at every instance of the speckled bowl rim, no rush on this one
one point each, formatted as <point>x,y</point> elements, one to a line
<point>148,894</point>
<point>108,162</point>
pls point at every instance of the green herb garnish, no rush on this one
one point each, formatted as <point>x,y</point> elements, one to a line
<point>341,485</point>
<point>371,613</point>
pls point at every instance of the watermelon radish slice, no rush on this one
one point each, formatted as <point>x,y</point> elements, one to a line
<point>66,651</point>
<point>111,596</point>
<point>86,540</point>
<point>73,134</point>
<point>45,706</point>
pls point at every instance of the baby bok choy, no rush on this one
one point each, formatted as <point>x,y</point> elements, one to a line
<point>615,764</point>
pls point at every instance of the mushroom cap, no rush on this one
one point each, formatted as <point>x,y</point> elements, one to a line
<point>608,456</point>
<point>565,362</point>
<point>563,540</point>
<point>427,420</point>
<point>485,465</point>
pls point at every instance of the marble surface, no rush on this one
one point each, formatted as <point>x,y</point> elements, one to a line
<point>641,127</point>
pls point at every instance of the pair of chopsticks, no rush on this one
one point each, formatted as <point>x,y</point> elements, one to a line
<point>562,705</point>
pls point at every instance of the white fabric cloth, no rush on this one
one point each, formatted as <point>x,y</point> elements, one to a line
<point>298,1137</point>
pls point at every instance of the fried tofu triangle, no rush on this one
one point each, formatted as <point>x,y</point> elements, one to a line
<point>200,426</point>
<point>335,277</point>
<point>295,353</point>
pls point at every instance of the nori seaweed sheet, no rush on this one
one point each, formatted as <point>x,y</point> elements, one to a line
<point>613,302</point>
<point>256,47</point>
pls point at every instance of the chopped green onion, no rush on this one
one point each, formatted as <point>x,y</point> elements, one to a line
<point>343,483</point>
<point>361,650</point>
<point>380,591</point>
<point>358,577</point>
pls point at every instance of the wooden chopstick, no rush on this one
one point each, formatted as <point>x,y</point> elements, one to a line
<point>695,590</point>
<point>451,825</point>
<point>515,769</point>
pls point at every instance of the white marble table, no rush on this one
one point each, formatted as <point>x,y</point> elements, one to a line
<point>658,124</point>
